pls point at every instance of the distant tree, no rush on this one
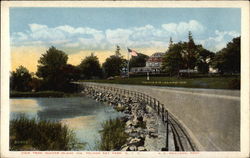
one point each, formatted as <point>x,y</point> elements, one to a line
<point>189,52</point>
<point>90,67</point>
<point>138,61</point>
<point>204,59</point>
<point>71,72</point>
<point>170,42</point>
<point>20,80</point>
<point>113,65</point>
<point>172,60</point>
<point>227,60</point>
<point>36,84</point>
<point>50,68</point>
<point>117,51</point>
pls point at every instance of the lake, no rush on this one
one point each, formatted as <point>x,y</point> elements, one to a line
<point>81,114</point>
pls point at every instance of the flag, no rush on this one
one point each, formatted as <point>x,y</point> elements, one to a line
<point>132,52</point>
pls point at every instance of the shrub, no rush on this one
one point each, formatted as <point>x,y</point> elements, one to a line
<point>234,84</point>
<point>113,135</point>
<point>34,134</point>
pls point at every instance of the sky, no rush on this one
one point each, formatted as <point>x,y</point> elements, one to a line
<point>81,31</point>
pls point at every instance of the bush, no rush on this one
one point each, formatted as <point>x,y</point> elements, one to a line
<point>34,134</point>
<point>113,135</point>
<point>234,84</point>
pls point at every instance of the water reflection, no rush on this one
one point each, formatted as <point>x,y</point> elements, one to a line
<point>81,114</point>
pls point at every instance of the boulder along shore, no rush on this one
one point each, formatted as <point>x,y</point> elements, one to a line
<point>145,129</point>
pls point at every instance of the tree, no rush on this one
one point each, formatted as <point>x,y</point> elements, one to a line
<point>204,59</point>
<point>170,42</point>
<point>50,69</point>
<point>138,61</point>
<point>227,60</point>
<point>20,79</point>
<point>117,52</point>
<point>172,60</point>
<point>113,65</point>
<point>189,52</point>
<point>71,72</point>
<point>90,67</point>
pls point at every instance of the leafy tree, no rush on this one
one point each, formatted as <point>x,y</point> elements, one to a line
<point>204,59</point>
<point>227,60</point>
<point>72,73</point>
<point>36,84</point>
<point>90,67</point>
<point>189,53</point>
<point>138,61</point>
<point>172,60</point>
<point>113,65</point>
<point>50,69</point>
<point>20,79</point>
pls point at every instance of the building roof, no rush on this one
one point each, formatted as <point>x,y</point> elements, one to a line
<point>156,57</point>
<point>157,54</point>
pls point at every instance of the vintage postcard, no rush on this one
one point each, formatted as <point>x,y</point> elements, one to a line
<point>125,79</point>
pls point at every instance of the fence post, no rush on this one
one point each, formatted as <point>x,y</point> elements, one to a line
<point>154,103</point>
<point>167,130</point>
<point>158,108</point>
<point>162,112</point>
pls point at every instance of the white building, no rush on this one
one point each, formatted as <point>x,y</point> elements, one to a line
<point>153,64</point>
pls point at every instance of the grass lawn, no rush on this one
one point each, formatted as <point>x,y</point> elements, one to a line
<point>232,82</point>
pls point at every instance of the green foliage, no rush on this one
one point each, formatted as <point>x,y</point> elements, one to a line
<point>90,67</point>
<point>189,52</point>
<point>173,61</point>
<point>20,79</point>
<point>55,71</point>
<point>227,60</point>
<point>33,134</point>
<point>112,135</point>
<point>234,84</point>
<point>113,65</point>
<point>138,61</point>
<point>204,59</point>
<point>186,55</point>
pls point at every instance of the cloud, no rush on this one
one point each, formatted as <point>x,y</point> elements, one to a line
<point>219,40</point>
<point>183,27</point>
<point>148,36</point>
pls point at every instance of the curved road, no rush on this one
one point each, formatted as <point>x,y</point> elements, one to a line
<point>211,117</point>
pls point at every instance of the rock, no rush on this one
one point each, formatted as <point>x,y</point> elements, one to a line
<point>125,118</point>
<point>153,135</point>
<point>129,139</point>
<point>140,118</point>
<point>141,148</point>
<point>152,130</point>
<point>136,142</point>
<point>129,123</point>
<point>132,148</point>
<point>126,148</point>
<point>129,130</point>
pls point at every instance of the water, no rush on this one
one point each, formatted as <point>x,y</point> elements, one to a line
<point>81,114</point>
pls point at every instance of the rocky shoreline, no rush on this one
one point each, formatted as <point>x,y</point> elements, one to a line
<point>146,133</point>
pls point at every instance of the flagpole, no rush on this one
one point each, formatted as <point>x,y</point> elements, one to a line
<point>128,65</point>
